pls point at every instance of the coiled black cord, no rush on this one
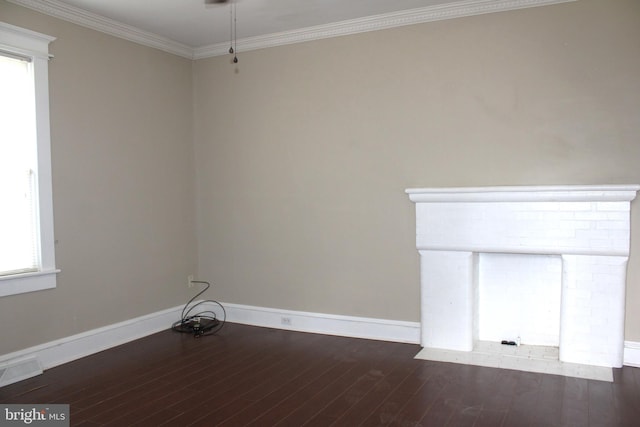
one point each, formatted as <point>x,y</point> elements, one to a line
<point>201,323</point>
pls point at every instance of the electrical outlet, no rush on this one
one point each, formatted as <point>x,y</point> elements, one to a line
<point>285,320</point>
<point>190,281</point>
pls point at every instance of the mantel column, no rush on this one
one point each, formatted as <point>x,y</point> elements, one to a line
<point>447,293</point>
<point>592,316</point>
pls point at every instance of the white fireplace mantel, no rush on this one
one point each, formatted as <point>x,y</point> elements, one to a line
<point>588,226</point>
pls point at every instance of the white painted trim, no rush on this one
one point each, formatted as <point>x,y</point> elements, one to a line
<point>23,41</point>
<point>67,349</point>
<point>545,193</point>
<point>35,45</point>
<point>27,282</point>
<point>96,22</point>
<point>354,26</point>
<point>632,353</point>
<point>373,23</point>
<point>328,324</point>
<point>19,369</point>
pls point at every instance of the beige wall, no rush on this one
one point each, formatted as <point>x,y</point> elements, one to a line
<point>121,134</point>
<point>304,151</point>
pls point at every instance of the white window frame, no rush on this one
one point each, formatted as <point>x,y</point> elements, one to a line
<point>34,45</point>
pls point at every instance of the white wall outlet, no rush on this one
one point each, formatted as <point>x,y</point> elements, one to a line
<point>190,281</point>
<point>285,320</point>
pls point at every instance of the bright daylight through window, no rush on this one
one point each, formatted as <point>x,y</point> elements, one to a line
<point>27,261</point>
<point>19,228</point>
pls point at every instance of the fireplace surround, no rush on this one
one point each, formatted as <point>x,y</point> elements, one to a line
<point>586,229</point>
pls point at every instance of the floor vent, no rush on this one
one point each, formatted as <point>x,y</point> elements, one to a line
<point>18,370</point>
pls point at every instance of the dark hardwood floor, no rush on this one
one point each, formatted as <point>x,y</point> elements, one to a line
<point>250,376</point>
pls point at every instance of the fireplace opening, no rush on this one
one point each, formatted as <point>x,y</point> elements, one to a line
<point>518,298</point>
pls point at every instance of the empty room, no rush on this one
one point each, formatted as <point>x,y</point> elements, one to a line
<point>248,212</point>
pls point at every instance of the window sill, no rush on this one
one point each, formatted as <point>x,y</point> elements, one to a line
<point>27,282</point>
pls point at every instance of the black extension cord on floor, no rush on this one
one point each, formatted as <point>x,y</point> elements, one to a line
<point>196,326</point>
<point>201,323</point>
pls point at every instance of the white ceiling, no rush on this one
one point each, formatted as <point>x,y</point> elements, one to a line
<point>195,24</point>
<point>194,29</point>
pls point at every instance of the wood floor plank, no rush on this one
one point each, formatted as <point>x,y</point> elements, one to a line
<point>299,410</point>
<point>549,400</point>
<point>575,402</point>
<point>457,404</point>
<point>286,388</point>
<point>427,396</point>
<point>602,410</point>
<point>626,395</point>
<point>499,400</point>
<point>300,407</point>
<point>522,411</point>
<point>491,418</point>
<point>376,395</point>
<point>391,406</point>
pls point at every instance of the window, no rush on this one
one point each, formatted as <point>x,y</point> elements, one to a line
<point>27,258</point>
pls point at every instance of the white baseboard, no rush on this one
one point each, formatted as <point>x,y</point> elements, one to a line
<point>328,324</point>
<point>66,349</point>
<point>632,353</point>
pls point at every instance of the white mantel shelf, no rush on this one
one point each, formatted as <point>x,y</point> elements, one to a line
<point>549,193</point>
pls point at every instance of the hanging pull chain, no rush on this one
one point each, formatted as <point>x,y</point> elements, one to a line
<point>230,28</point>
<point>235,33</point>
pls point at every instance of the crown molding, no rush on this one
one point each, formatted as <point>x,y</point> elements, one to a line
<point>354,26</point>
<point>373,23</point>
<point>96,22</point>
